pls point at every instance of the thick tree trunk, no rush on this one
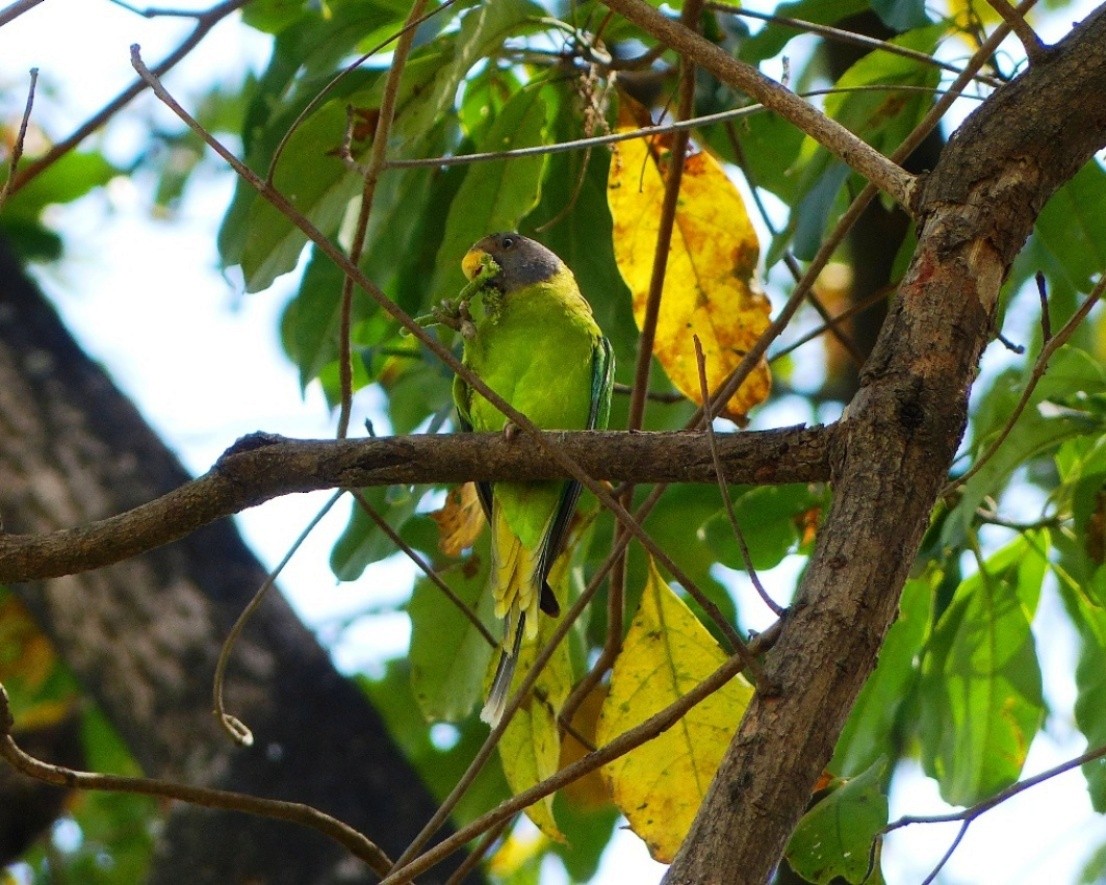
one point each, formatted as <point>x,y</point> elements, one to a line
<point>142,636</point>
<point>895,447</point>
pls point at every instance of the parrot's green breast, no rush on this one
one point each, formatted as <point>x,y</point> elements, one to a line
<point>536,347</point>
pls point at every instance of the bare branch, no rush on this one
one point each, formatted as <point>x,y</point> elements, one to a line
<point>1035,49</point>
<point>844,36</point>
<point>294,812</point>
<point>620,746</point>
<point>262,467</point>
<point>20,138</point>
<point>204,23</point>
<point>857,154</point>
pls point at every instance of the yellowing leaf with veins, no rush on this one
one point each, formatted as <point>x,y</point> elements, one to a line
<point>460,521</point>
<point>708,287</point>
<point>660,785</point>
<point>589,792</point>
<point>530,749</point>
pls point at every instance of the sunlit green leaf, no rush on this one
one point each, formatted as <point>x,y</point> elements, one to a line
<point>834,839</point>
<point>440,755</point>
<point>881,98</point>
<point>363,542</point>
<point>981,702</point>
<point>495,195</point>
<point>449,656</point>
<point>1072,225</point>
<point>869,732</point>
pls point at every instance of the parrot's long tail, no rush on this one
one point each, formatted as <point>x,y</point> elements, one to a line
<point>504,674</point>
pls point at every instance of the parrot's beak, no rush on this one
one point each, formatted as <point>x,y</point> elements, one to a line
<point>472,262</point>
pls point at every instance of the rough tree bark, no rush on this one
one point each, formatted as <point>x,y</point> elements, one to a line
<point>142,636</point>
<point>894,448</point>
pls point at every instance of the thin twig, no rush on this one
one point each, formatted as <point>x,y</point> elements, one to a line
<point>204,23</point>
<point>157,12</point>
<point>577,144</point>
<point>620,746</point>
<point>739,536</point>
<point>424,566</point>
<point>234,726</point>
<point>844,36</point>
<point>852,150</point>
<point>818,331</point>
<point>294,812</point>
<point>968,815</point>
<point>1040,366</point>
<point>368,193</point>
<point>20,138</point>
<point>476,855</point>
<point>1035,49</point>
<point>638,395</point>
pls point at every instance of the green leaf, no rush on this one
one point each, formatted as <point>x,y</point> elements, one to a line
<point>1070,371</point>
<point>497,194</point>
<point>901,15</point>
<point>869,732</point>
<point>834,839</point>
<point>586,833</point>
<point>69,179</point>
<point>981,702</point>
<point>363,542</point>
<point>449,656</point>
<point>483,30</point>
<point>772,39</point>
<point>768,518</point>
<point>1090,680</point>
<point>870,106</point>
<point>439,755</point>
<point>314,180</point>
<point>1072,225</point>
<point>676,525</point>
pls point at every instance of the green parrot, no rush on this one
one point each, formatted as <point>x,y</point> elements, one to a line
<point>536,344</point>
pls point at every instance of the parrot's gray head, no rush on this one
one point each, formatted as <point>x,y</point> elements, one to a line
<point>521,261</point>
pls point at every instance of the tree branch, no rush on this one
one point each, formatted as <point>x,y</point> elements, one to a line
<point>853,151</point>
<point>262,466</point>
<point>295,812</point>
<point>896,443</point>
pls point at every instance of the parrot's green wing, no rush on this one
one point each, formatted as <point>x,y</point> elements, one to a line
<point>462,396</point>
<point>602,381</point>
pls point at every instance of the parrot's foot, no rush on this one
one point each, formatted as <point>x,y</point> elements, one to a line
<point>510,431</point>
<point>455,315</point>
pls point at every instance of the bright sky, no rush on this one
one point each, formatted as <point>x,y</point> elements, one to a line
<point>204,365</point>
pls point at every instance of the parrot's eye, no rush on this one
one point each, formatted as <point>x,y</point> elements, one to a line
<point>508,242</point>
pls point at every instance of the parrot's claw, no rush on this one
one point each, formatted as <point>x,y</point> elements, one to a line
<point>453,314</point>
<point>510,431</point>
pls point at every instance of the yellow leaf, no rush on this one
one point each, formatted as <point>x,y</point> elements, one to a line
<point>708,288</point>
<point>530,749</point>
<point>589,792</point>
<point>660,785</point>
<point>460,520</point>
<point>515,854</point>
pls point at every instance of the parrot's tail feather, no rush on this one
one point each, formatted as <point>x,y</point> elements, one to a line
<point>504,676</point>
